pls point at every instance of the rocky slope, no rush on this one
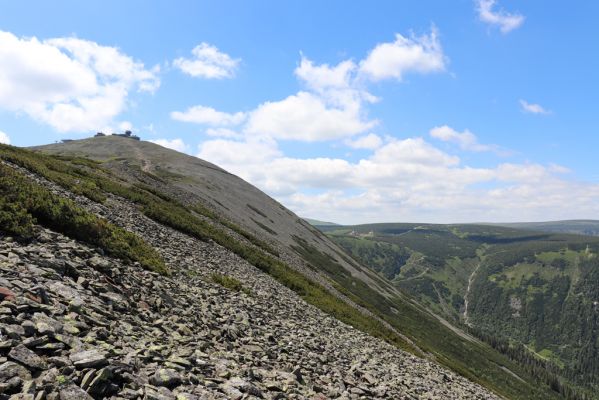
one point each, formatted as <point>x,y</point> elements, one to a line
<point>191,179</point>
<point>77,324</point>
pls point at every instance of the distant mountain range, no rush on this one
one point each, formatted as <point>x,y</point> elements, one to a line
<point>576,226</point>
<point>316,222</point>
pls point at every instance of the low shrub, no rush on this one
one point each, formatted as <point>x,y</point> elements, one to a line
<point>25,203</point>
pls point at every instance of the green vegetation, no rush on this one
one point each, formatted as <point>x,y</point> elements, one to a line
<point>230,283</point>
<point>24,203</point>
<point>579,227</point>
<point>385,258</point>
<point>475,360</point>
<point>534,297</point>
<point>202,210</point>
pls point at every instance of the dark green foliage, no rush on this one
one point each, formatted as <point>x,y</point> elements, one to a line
<point>540,290</point>
<point>24,203</point>
<point>385,258</point>
<point>14,219</point>
<point>67,175</point>
<point>202,210</point>
<point>473,360</point>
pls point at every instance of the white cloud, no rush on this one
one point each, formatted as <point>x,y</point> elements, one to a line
<point>223,133</point>
<point>504,20</point>
<point>69,83</point>
<point>466,139</point>
<point>405,180</point>
<point>208,62</point>
<point>532,108</point>
<point>422,54</point>
<point>125,126</point>
<point>237,154</point>
<point>208,116</point>
<point>4,139</point>
<point>307,117</point>
<point>332,104</point>
<point>321,77</point>
<point>369,142</point>
<point>174,144</point>
<point>332,107</point>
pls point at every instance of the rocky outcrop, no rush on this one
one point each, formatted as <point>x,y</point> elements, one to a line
<point>76,324</point>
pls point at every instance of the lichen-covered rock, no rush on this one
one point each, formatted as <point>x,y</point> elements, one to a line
<point>88,359</point>
<point>9,370</point>
<point>27,357</point>
<point>166,377</point>
<point>73,392</point>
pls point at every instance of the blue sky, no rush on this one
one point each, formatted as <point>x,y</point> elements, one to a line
<point>431,111</point>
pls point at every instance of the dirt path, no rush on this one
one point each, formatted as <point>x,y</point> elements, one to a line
<point>145,164</point>
<point>420,275</point>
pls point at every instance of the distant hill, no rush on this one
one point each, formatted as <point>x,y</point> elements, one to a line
<point>532,294</point>
<point>316,222</point>
<point>576,226</point>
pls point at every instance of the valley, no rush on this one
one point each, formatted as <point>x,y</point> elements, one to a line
<point>510,287</point>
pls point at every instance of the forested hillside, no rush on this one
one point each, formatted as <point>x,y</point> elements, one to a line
<point>533,295</point>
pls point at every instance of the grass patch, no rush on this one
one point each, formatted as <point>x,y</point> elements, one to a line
<point>201,209</point>
<point>228,282</point>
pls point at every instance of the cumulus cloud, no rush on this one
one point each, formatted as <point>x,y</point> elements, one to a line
<point>369,142</point>
<point>307,117</point>
<point>532,108</point>
<point>322,77</point>
<point>208,62</point>
<point>238,153</point>
<point>332,104</point>
<point>208,116</point>
<point>331,108</point>
<point>69,83</point>
<point>404,180</point>
<point>223,133</point>
<point>174,144</point>
<point>466,139</point>
<point>506,22</point>
<point>4,139</point>
<point>422,54</point>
